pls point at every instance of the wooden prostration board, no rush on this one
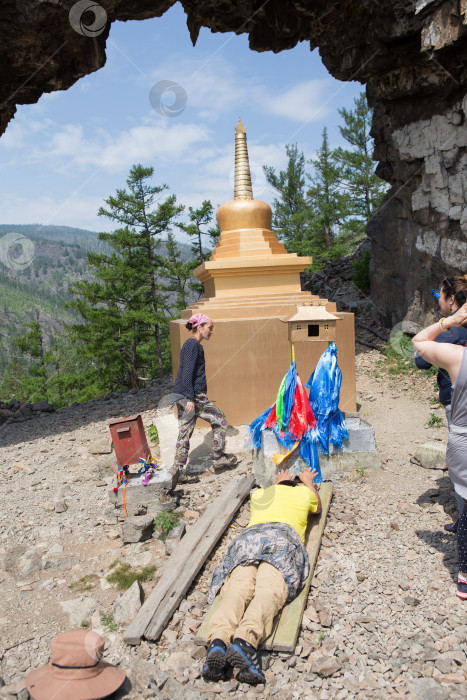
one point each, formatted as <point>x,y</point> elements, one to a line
<point>287,624</point>
<point>185,562</point>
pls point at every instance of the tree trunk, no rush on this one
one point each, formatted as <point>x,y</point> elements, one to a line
<point>154,304</point>
<point>201,259</point>
<point>44,373</point>
<point>133,362</point>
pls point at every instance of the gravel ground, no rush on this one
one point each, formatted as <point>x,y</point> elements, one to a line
<point>382,618</point>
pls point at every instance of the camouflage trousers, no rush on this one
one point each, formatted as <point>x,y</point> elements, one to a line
<point>205,409</point>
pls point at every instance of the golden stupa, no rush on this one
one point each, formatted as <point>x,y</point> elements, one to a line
<point>250,283</point>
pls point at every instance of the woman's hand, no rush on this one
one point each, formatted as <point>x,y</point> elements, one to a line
<point>307,476</point>
<point>189,406</point>
<point>283,475</point>
<point>459,318</point>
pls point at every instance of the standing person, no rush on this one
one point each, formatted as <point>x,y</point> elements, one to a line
<point>267,565</point>
<point>453,358</point>
<point>190,394</point>
<point>451,295</point>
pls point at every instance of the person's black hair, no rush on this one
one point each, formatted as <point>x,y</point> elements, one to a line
<point>190,325</point>
<point>456,286</point>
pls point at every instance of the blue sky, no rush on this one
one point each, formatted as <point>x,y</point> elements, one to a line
<point>61,157</point>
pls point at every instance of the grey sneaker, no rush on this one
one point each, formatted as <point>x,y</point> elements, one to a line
<point>224,461</point>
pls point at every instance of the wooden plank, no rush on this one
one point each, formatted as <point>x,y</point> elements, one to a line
<point>185,562</point>
<point>287,624</point>
<point>285,633</point>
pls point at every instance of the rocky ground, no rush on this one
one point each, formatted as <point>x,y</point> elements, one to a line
<point>382,618</point>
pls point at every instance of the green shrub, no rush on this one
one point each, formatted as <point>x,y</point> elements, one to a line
<point>434,421</point>
<point>85,583</point>
<point>124,576</point>
<point>361,278</point>
<point>165,522</point>
<point>108,622</point>
<point>153,435</point>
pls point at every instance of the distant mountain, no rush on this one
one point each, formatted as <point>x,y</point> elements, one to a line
<point>41,289</point>
<point>87,240</point>
<point>63,234</point>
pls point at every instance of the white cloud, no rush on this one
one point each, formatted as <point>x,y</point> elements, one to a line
<point>70,148</point>
<point>75,210</point>
<point>213,87</point>
<point>304,102</point>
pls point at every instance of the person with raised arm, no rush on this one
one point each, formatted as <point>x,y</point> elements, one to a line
<point>451,294</point>
<point>453,358</point>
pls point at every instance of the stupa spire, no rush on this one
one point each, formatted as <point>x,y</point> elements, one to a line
<point>242,188</point>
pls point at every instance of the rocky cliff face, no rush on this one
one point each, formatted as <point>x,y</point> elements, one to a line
<point>410,54</point>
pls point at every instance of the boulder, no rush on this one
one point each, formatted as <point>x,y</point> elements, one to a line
<point>431,455</point>
<point>101,446</point>
<point>174,537</point>
<point>127,605</point>
<point>79,609</point>
<point>138,528</point>
<point>43,406</point>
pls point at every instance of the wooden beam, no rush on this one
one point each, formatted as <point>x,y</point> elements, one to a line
<point>287,624</point>
<point>286,629</point>
<point>185,562</point>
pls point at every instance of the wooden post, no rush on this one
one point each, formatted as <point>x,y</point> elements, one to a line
<point>187,559</point>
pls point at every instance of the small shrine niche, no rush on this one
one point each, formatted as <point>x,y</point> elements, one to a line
<point>312,323</point>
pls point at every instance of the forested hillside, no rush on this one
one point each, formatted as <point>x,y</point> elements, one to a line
<point>42,290</point>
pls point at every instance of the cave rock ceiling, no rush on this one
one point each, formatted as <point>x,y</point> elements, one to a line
<point>411,56</point>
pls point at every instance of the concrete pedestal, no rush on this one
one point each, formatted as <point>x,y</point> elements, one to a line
<point>157,495</point>
<point>358,451</point>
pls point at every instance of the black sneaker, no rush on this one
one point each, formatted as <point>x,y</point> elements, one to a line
<point>184,478</point>
<point>224,461</point>
<point>216,661</point>
<point>452,527</point>
<point>461,588</point>
<point>242,655</point>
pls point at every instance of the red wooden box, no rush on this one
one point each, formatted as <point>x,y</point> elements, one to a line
<point>129,440</point>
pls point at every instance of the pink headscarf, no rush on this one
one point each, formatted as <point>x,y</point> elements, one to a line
<point>198,320</point>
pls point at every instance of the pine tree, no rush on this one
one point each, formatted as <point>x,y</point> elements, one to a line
<point>35,385</point>
<point>199,218</point>
<point>13,382</point>
<point>179,273</point>
<point>366,190</point>
<point>291,213</point>
<point>144,223</point>
<point>329,205</point>
<point>116,314</point>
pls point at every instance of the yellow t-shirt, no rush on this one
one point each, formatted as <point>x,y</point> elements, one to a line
<point>283,504</point>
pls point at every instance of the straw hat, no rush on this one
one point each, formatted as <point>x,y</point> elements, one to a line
<point>75,671</point>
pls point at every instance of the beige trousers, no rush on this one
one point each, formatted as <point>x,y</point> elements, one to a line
<point>250,599</point>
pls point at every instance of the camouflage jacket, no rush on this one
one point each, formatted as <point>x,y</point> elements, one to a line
<point>276,543</point>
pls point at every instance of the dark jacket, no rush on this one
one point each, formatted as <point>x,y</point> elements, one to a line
<point>191,376</point>
<point>458,337</point>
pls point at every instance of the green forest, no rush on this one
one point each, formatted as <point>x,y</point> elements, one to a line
<point>91,314</point>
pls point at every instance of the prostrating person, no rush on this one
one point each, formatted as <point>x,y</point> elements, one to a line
<point>263,568</point>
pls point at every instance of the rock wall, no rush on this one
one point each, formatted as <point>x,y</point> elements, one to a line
<point>411,55</point>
